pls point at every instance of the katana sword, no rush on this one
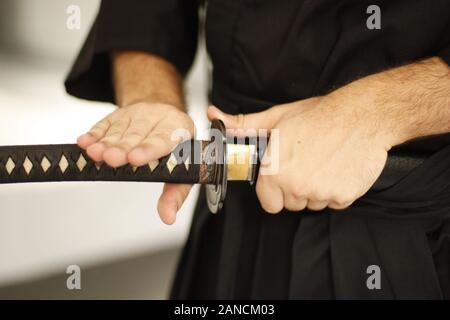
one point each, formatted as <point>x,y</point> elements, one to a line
<point>212,163</point>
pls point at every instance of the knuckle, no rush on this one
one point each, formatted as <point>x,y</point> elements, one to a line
<point>295,205</point>
<point>318,192</point>
<point>342,198</point>
<point>322,195</point>
<point>297,191</point>
<point>268,204</point>
<point>271,208</point>
<point>316,206</point>
<point>347,195</point>
<point>302,204</point>
<point>336,206</point>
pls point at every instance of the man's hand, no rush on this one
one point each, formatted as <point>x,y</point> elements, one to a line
<point>327,156</point>
<point>138,134</point>
<point>333,148</point>
<point>151,107</point>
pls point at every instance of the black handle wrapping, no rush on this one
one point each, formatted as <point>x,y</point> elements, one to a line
<point>68,162</point>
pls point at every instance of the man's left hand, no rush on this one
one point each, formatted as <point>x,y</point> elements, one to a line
<point>331,151</point>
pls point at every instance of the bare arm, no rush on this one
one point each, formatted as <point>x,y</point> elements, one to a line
<point>333,148</point>
<point>423,94</point>
<point>139,76</point>
<point>413,100</point>
<point>149,93</point>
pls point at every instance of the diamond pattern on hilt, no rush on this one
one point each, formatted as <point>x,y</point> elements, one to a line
<point>63,164</point>
<point>152,165</point>
<point>186,163</point>
<point>171,163</point>
<point>10,165</point>
<point>98,165</point>
<point>27,165</point>
<point>45,164</point>
<point>81,162</point>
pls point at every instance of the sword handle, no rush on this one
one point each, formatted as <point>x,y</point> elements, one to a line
<point>68,162</point>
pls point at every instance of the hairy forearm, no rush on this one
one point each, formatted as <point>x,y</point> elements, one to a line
<point>406,102</point>
<point>142,77</point>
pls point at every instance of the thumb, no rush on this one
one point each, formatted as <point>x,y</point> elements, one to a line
<point>258,120</point>
<point>171,200</point>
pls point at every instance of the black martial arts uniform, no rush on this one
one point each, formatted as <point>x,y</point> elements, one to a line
<point>267,52</point>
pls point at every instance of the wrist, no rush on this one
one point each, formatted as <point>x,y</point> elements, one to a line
<point>152,101</point>
<point>139,77</point>
<point>366,105</point>
<point>406,102</point>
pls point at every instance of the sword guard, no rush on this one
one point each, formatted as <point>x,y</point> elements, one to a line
<point>215,193</point>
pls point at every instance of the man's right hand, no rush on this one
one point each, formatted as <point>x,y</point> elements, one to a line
<point>138,134</point>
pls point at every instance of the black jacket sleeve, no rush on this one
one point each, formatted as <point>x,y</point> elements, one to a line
<point>445,54</point>
<point>167,28</point>
<point>444,44</point>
